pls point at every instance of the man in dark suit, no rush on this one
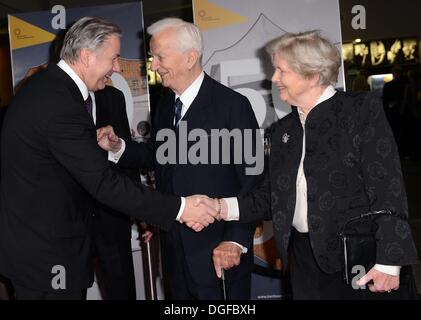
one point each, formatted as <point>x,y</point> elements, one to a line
<point>111,229</point>
<point>52,168</point>
<point>176,48</point>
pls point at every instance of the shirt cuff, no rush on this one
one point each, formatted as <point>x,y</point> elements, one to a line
<point>390,270</point>
<point>180,212</point>
<point>233,209</point>
<point>115,157</point>
<point>243,249</point>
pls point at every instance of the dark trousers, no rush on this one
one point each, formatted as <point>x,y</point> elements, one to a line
<point>23,293</point>
<point>115,269</point>
<point>309,282</point>
<point>182,286</point>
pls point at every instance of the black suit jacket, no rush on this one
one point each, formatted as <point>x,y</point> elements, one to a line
<point>110,225</point>
<point>351,166</point>
<point>215,107</point>
<point>2,113</point>
<point>51,167</point>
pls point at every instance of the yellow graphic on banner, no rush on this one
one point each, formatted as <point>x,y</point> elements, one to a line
<point>24,34</point>
<point>210,16</point>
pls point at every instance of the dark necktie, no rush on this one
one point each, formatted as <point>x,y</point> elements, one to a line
<point>178,105</point>
<point>88,104</point>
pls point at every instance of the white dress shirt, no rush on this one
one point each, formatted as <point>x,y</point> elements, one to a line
<point>300,214</point>
<point>188,96</point>
<point>72,74</point>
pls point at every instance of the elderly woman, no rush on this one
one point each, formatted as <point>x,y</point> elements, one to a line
<point>332,158</point>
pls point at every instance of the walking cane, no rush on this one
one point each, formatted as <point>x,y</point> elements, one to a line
<point>150,272</point>
<point>224,288</point>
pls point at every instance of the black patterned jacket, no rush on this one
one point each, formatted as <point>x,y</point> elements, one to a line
<point>351,166</point>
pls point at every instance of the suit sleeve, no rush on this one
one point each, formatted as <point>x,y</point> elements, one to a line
<point>242,117</point>
<point>72,140</point>
<point>138,155</point>
<point>382,174</point>
<point>256,205</point>
<point>121,117</point>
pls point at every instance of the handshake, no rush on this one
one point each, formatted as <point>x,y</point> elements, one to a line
<point>200,211</point>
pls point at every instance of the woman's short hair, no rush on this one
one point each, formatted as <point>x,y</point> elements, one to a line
<point>188,35</point>
<point>87,32</point>
<point>308,54</point>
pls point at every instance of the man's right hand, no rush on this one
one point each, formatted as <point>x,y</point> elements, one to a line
<point>225,256</point>
<point>108,140</point>
<point>198,215</point>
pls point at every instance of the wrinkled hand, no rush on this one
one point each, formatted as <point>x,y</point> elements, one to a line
<point>107,139</point>
<point>147,236</point>
<point>223,210</point>
<point>226,255</point>
<point>212,203</point>
<point>147,231</point>
<point>382,282</point>
<point>196,214</point>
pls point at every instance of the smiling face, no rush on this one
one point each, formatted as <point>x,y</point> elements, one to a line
<point>172,65</point>
<point>102,63</point>
<point>293,86</point>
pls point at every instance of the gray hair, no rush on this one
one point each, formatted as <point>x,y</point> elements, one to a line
<point>188,34</point>
<point>87,32</point>
<point>308,54</point>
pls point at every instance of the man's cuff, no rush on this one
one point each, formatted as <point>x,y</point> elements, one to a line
<point>182,206</point>
<point>243,249</point>
<point>115,157</point>
<point>233,209</point>
<point>391,270</point>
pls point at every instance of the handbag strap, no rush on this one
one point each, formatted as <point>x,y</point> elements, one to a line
<point>376,214</point>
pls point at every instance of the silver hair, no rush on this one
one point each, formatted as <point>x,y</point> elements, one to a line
<point>188,34</point>
<point>87,32</point>
<point>308,54</point>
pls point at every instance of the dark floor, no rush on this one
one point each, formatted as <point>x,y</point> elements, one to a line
<point>412,176</point>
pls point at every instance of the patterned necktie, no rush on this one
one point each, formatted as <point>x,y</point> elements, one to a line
<point>178,105</point>
<point>88,104</point>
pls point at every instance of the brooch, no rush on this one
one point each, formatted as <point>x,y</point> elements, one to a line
<point>285,137</point>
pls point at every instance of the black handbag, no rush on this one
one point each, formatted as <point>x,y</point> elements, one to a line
<point>358,239</point>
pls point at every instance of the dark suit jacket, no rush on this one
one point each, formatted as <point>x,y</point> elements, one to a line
<point>351,167</point>
<point>110,225</point>
<point>51,166</point>
<point>2,113</point>
<point>215,107</point>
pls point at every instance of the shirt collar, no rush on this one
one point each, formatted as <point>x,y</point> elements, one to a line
<point>72,74</point>
<point>191,92</point>
<point>328,93</point>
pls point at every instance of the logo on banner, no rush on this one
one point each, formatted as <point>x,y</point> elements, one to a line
<point>210,16</point>
<point>24,34</point>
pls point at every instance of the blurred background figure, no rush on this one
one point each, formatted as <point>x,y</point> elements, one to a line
<point>360,82</point>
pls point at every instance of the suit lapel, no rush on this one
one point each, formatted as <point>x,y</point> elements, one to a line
<point>102,110</point>
<point>63,76</point>
<point>201,108</point>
